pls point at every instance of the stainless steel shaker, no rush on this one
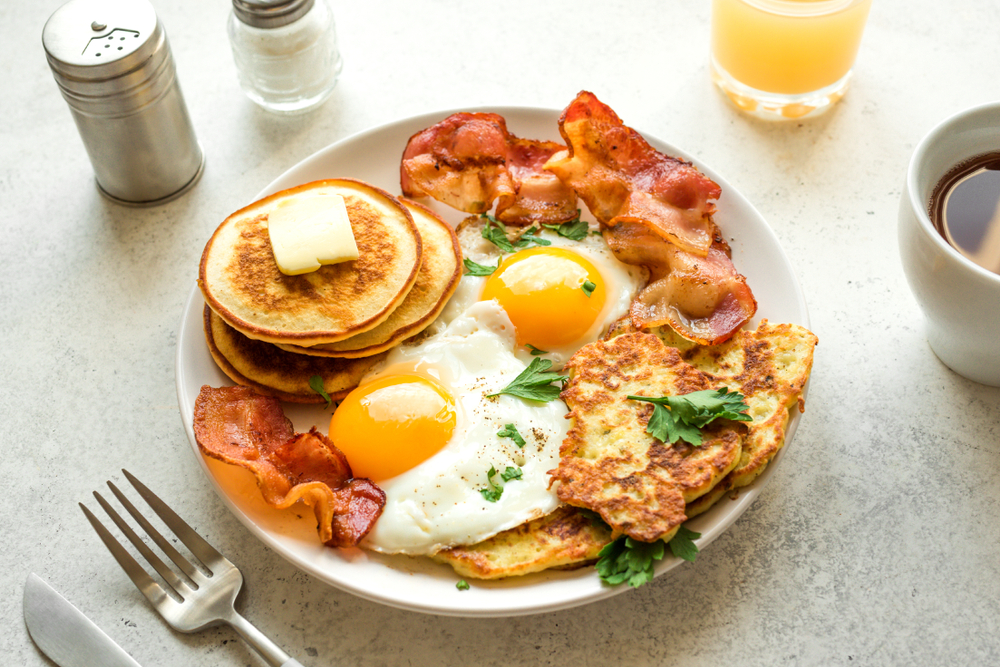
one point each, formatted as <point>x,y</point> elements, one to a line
<point>113,65</point>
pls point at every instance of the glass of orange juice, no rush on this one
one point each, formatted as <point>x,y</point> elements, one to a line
<point>785,59</point>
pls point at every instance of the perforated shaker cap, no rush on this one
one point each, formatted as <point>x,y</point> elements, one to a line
<point>270,13</point>
<point>90,42</point>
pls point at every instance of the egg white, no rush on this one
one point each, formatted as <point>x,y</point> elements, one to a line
<point>438,503</point>
<point>622,282</point>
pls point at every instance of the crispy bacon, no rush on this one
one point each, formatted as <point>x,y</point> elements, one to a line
<point>470,160</point>
<point>655,210</point>
<point>541,197</point>
<point>704,299</point>
<point>461,161</point>
<point>624,179</point>
<point>240,427</point>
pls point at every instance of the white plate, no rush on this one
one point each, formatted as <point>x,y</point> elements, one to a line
<point>418,584</point>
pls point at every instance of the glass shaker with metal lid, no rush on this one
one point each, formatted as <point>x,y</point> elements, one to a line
<point>113,66</point>
<point>285,51</point>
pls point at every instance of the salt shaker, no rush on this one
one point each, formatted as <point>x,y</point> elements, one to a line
<point>286,52</point>
<point>113,65</point>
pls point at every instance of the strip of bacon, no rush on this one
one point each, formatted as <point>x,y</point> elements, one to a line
<point>240,427</point>
<point>461,161</point>
<point>470,160</point>
<point>541,197</point>
<point>704,299</point>
<point>624,179</point>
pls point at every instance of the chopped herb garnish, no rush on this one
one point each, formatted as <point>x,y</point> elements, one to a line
<point>682,417</point>
<point>532,238</point>
<point>574,230</point>
<point>462,585</point>
<point>509,431</point>
<point>493,490</point>
<point>316,384</point>
<point>535,382</point>
<point>632,561</point>
<point>473,269</point>
<point>588,287</point>
<point>511,473</point>
<point>534,350</point>
<point>496,233</point>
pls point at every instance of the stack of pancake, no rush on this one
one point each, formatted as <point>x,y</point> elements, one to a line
<point>275,332</point>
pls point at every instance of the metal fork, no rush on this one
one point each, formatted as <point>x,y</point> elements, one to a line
<point>203,597</point>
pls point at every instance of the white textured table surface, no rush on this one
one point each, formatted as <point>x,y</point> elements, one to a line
<point>875,543</point>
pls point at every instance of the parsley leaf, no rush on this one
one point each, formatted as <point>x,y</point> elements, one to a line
<point>667,428</point>
<point>511,473</point>
<point>496,233</point>
<point>632,561</point>
<point>682,417</point>
<point>462,585</point>
<point>535,382</point>
<point>316,384</point>
<point>473,269</point>
<point>532,238</point>
<point>534,350</point>
<point>628,560</point>
<point>492,492</point>
<point>588,287</point>
<point>574,230</point>
<point>682,545</point>
<point>510,431</point>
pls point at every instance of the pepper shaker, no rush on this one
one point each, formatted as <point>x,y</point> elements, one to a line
<point>112,63</point>
<point>285,51</point>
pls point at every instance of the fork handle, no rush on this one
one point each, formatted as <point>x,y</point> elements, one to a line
<point>270,651</point>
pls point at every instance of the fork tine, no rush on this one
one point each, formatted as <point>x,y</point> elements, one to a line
<point>168,575</point>
<point>204,551</point>
<point>145,583</point>
<point>165,546</point>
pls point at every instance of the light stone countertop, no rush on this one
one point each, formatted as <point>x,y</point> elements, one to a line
<point>876,542</point>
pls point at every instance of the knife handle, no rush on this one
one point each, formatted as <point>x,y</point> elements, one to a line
<point>292,663</point>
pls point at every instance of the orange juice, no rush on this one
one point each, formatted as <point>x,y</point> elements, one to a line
<point>787,47</point>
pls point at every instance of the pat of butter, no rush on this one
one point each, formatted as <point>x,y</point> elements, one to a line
<point>307,232</point>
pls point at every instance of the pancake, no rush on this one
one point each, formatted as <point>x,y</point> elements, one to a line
<point>242,283</point>
<point>438,278</point>
<point>275,372</point>
<point>564,539</point>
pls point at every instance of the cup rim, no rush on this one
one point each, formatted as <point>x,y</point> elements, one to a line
<point>797,9</point>
<point>921,207</point>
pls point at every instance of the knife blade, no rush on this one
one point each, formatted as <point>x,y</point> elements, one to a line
<point>64,634</point>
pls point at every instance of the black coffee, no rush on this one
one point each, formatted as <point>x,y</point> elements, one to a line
<point>965,209</point>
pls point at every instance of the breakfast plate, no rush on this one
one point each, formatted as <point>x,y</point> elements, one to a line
<point>417,583</point>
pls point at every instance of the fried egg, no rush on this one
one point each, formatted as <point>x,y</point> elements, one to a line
<point>425,427</point>
<point>541,288</point>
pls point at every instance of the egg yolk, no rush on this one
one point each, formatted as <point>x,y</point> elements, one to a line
<point>542,290</point>
<point>389,425</point>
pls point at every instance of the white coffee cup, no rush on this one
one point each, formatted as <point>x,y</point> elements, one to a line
<point>960,299</point>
